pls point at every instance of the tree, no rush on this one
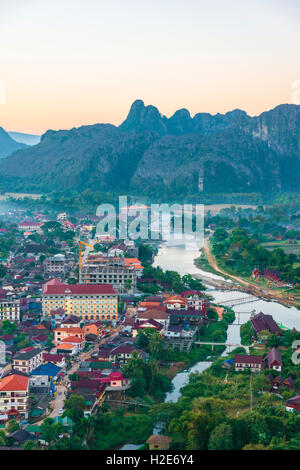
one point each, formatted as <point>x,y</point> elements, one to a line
<point>155,343</point>
<point>30,445</point>
<point>127,284</point>
<point>12,426</point>
<point>221,438</point>
<point>74,407</point>
<point>50,431</point>
<point>8,328</point>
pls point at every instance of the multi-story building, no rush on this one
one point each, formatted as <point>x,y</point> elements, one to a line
<point>30,226</point>
<point>27,361</point>
<point>56,264</point>
<point>14,394</point>
<point>88,301</point>
<point>10,310</point>
<point>61,334</point>
<point>113,271</point>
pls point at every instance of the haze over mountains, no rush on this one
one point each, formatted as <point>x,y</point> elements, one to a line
<point>28,139</point>
<point>149,153</point>
<point>7,144</point>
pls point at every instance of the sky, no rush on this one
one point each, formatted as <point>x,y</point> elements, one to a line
<point>75,62</point>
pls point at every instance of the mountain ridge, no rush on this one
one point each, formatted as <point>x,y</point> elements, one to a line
<point>150,153</point>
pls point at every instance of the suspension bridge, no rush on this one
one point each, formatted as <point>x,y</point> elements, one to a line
<point>240,301</point>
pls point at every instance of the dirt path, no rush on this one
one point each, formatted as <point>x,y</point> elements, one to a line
<point>257,291</point>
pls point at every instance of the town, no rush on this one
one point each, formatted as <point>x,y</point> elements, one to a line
<point>89,328</point>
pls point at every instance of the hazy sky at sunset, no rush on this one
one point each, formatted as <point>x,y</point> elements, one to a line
<point>66,63</point>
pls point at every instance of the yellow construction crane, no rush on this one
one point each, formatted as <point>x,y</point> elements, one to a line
<point>80,253</point>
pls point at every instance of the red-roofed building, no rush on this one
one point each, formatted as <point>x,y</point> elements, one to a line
<point>14,394</point>
<point>87,301</point>
<point>57,359</point>
<point>293,404</point>
<point>244,361</point>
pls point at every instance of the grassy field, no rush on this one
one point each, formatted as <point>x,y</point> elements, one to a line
<point>288,248</point>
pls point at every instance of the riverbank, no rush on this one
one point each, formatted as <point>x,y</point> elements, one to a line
<point>238,283</point>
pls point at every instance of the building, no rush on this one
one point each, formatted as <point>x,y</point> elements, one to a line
<point>61,334</point>
<point>293,404</point>
<point>105,270</point>
<point>274,359</point>
<point>159,442</point>
<point>29,226</point>
<point>14,394</point>
<point>89,302</point>
<point>175,302</point>
<point>56,264</point>
<point>61,216</point>
<point>155,314</point>
<point>71,321</point>
<point>28,360</point>
<point>56,359</point>
<point>262,322</point>
<point>10,310</point>
<point>244,361</point>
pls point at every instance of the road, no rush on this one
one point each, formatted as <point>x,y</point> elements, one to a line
<point>61,388</point>
<point>258,292</point>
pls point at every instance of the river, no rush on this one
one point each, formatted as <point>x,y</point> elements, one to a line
<point>180,257</point>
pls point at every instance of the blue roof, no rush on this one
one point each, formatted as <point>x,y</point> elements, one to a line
<point>230,362</point>
<point>47,369</point>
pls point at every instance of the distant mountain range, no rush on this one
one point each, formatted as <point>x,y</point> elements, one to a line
<point>28,139</point>
<point>7,144</point>
<point>151,154</point>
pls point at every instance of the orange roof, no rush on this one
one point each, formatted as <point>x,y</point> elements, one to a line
<point>150,304</point>
<point>13,383</point>
<point>176,299</point>
<point>73,339</point>
<point>66,346</point>
<point>135,262</point>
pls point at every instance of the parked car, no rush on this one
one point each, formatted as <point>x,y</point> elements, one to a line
<point>60,412</point>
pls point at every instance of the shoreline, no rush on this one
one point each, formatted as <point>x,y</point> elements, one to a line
<point>235,283</point>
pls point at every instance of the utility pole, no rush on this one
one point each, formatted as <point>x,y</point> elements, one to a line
<point>251,397</point>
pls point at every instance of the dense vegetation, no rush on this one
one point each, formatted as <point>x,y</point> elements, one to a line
<point>240,254</point>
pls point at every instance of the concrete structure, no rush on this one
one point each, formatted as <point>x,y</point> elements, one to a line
<point>56,264</point>
<point>109,270</point>
<point>28,360</point>
<point>10,310</point>
<point>14,394</point>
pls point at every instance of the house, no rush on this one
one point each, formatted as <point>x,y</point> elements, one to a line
<point>78,343</point>
<point>141,325</point>
<point>27,361</point>
<point>60,334</point>
<point>159,442</point>
<point>14,394</point>
<point>21,436</point>
<point>124,352</point>
<point>262,322</point>
<point>154,314</point>
<point>274,359</point>
<point>50,370</point>
<point>67,349</point>
<point>245,361</point>
<point>293,404</point>
<point>175,302</point>
<point>71,321</point>
<point>189,315</point>
<point>56,359</point>
<point>96,328</point>
<point>227,364</point>
<point>29,226</point>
